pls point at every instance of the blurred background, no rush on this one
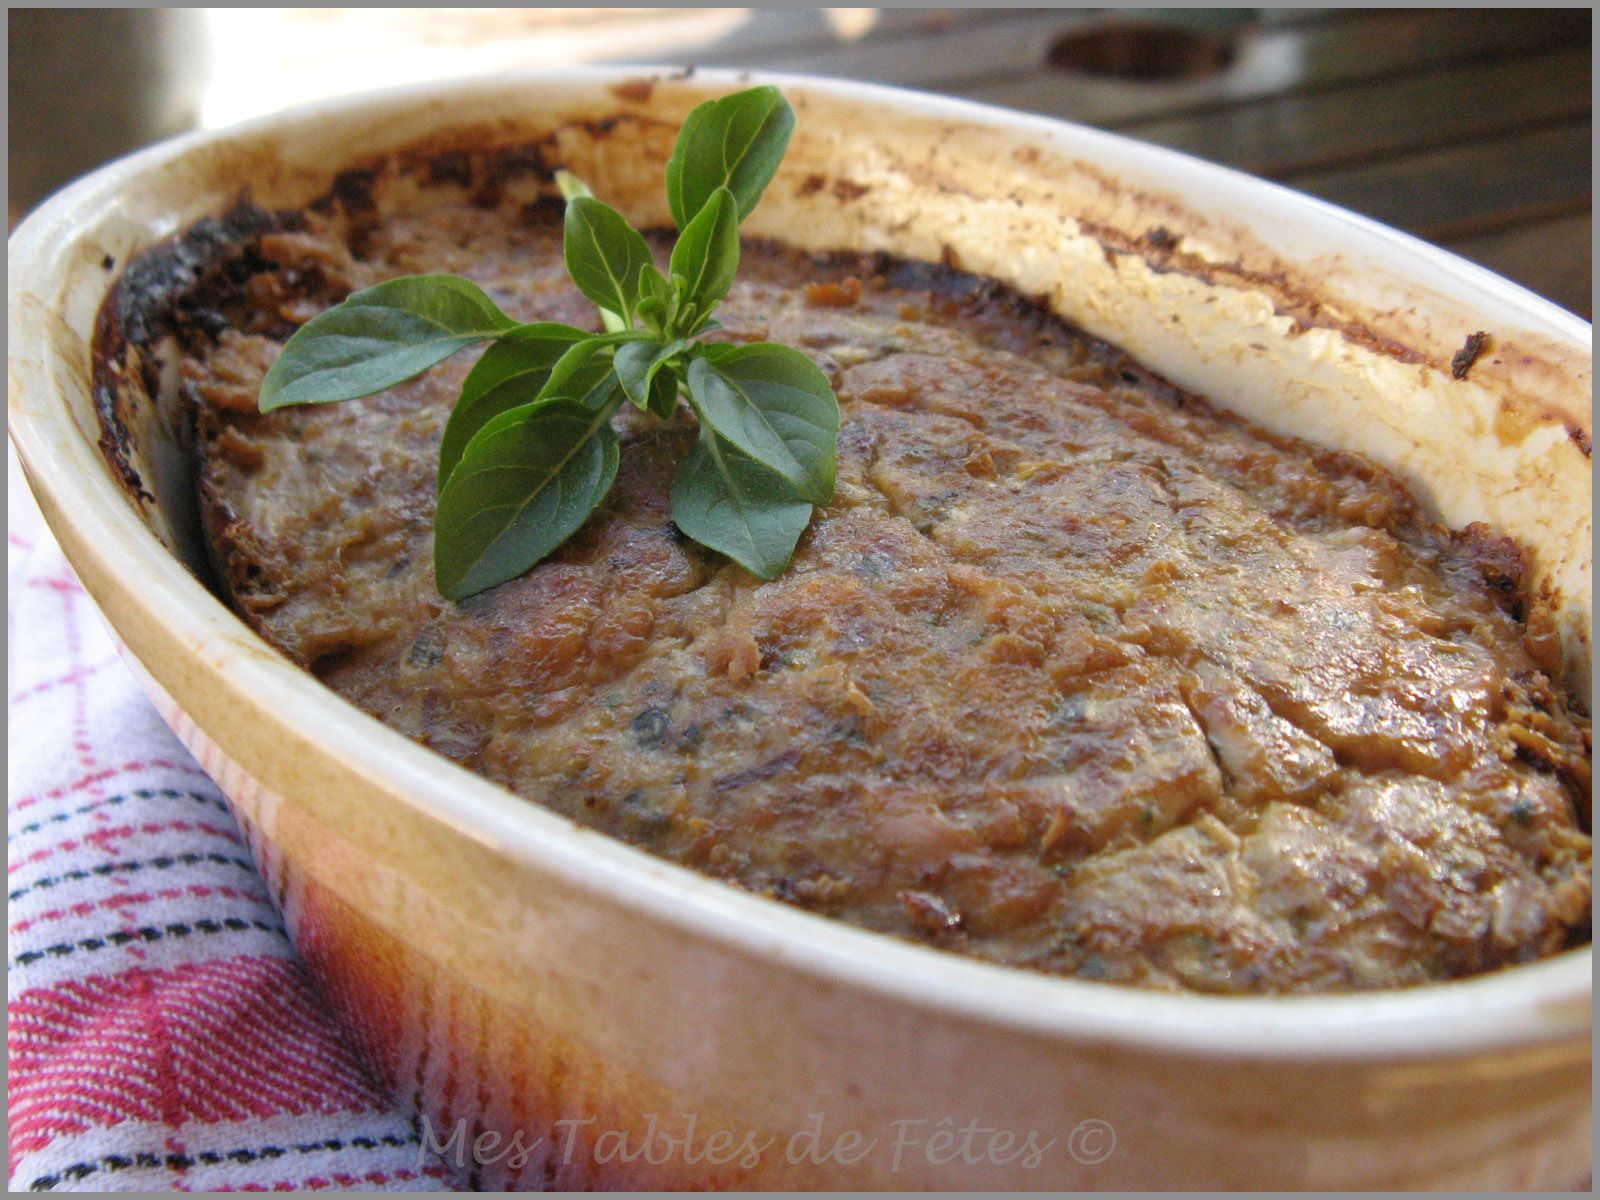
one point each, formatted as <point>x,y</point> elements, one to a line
<point>1468,127</point>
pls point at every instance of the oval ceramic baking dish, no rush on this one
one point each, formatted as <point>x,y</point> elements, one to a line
<point>502,965</point>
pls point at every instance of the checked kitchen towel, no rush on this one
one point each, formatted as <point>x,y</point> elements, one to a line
<point>161,1034</point>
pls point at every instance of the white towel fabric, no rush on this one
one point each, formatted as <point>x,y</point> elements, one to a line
<point>162,1033</point>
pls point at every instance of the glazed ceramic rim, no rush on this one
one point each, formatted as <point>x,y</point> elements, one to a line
<point>1541,1003</point>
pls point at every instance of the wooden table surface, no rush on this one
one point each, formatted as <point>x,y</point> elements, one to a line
<point>1469,128</point>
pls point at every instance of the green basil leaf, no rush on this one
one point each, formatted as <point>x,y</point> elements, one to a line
<point>511,372</point>
<point>652,314</point>
<point>637,366</point>
<point>594,386</point>
<point>570,186</point>
<point>605,255</point>
<point>663,400</point>
<point>380,337</point>
<point>527,480</point>
<point>707,253</point>
<point>776,406</point>
<point>730,503</point>
<point>656,305</point>
<point>587,375</point>
<point>735,142</point>
<point>653,283</point>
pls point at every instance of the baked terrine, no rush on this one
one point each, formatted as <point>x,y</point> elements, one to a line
<point>1077,672</point>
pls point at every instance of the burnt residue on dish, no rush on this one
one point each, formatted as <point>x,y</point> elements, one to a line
<point>1461,362</point>
<point>147,304</point>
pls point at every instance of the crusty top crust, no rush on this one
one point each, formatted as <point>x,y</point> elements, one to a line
<point>1075,673</point>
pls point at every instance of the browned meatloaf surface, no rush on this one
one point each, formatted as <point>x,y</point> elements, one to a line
<point>1076,673</point>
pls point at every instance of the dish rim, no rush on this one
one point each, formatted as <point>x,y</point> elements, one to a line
<point>1540,1003</point>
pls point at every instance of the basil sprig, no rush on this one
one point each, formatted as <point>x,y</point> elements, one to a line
<point>529,452</point>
